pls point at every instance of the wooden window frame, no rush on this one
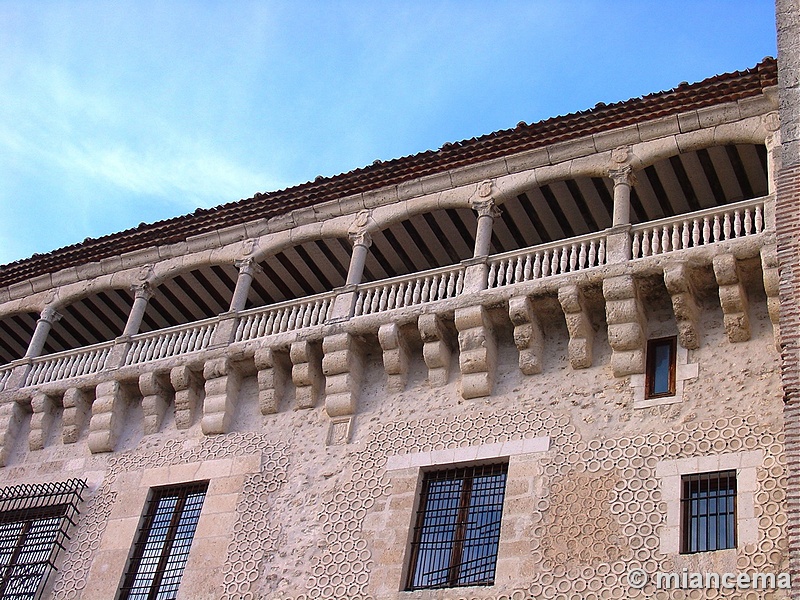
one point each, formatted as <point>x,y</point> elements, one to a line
<point>650,366</point>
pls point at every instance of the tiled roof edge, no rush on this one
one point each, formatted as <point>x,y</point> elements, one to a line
<point>726,87</point>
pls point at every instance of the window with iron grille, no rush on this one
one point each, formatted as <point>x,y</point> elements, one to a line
<point>457,529</point>
<point>33,526</point>
<point>163,542</point>
<point>709,511</point>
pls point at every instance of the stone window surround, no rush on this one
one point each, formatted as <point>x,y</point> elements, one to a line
<point>684,371</point>
<point>521,455</point>
<point>746,464</point>
<point>468,454</point>
<point>214,528</point>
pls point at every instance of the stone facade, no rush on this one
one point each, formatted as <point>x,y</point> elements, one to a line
<point>314,420</point>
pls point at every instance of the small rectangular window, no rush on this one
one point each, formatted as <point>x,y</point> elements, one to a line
<point>163,542</point>
<point>660,377</point>
<point>708,508</point>
<point>457,530</point>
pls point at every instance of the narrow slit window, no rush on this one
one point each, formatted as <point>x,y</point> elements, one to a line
<point>660,378</point>
<point>163,542</point>
<point>457,530</point>
<point>709,511</point>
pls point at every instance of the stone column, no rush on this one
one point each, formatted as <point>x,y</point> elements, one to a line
<point>247,271</point>
<point>361,241</point>
<point>623,181</point>
<point>487,212</point>
<point>141,296</point>
<point>43,326</point>
<point>476,272</point>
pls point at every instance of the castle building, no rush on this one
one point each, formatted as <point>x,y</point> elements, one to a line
<point>556,361</point>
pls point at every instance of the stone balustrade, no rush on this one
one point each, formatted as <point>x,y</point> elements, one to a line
<point>283,317</point>
<point>5,374</point>
<point>400,292</point>
<point>69,364</point>
<point>173,341</point>
<point>564,256</point>
<point>698,229</point>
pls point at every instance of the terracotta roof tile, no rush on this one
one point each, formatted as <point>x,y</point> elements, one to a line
<point>727,87</point>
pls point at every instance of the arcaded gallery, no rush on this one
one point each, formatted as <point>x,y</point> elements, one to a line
<point>522,366</point>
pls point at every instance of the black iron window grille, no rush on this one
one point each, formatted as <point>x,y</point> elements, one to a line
<point>163,542</point>
<point>34,520</point>
<point>708,504</point>
<point>457,529</point>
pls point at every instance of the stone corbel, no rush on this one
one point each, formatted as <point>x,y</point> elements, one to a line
<point>306,373</point>
<point>396,356</point>
<point>579,326</point>
<point>477,357</point>
<point>626,325</point>
<point>108,414</point>
<point>527,334</point>
<point>223,380</point>
<point>77,407</point>
<point>156,391</point>
<point>273,372</point>
<point>43,408</point>
<point>343,367</point>
<point>678,281</point>
<point>436,349</point>
<point>769,269</point>
<point>187,385</point>
<point>732,298</point>
<point>11,417</point>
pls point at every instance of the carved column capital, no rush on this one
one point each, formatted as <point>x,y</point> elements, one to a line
<point>360,238</point>
<point>49,314</point>
<point>486,207</point>
<point>143,290</point>
<point>247,266</point>
<point>622,175</point>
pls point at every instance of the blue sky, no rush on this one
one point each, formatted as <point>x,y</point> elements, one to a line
<point>117,113</point>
